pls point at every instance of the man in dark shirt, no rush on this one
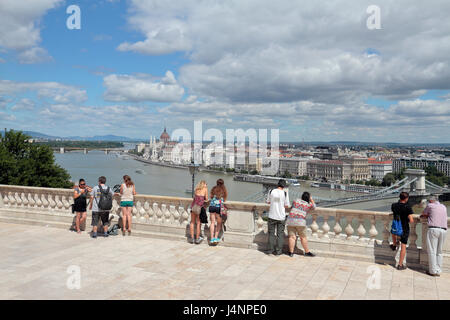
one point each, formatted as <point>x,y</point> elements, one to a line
<point>404,211</point>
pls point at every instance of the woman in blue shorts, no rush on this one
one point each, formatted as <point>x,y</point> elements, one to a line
<point>127,193</point>
<point>218,197</point>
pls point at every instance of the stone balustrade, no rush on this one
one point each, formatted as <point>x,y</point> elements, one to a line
<point>344,233</point>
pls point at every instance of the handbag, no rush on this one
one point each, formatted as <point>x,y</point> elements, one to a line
<point>397,228</point>
<point>203,215</point>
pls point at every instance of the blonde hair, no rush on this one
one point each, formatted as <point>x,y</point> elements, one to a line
<point>200,185</point>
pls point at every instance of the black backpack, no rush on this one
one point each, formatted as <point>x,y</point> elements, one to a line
<point>105,202</point>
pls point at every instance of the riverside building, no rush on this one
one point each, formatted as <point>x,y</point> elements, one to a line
<point>442,165</point>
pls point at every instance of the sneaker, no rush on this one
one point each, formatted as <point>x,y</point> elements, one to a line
<point>94,235</point>
<point>433,274</point>
<point>291,254</point>
<point>277,253</point>
<point>106,235</point>
<point>393,248</point>
<point>401,267</point>
<point>198,241</point>
<point>310,254</point>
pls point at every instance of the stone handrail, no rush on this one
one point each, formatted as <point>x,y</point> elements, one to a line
<point>358,234</point>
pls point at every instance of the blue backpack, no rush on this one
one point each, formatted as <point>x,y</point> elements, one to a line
<point>397,228</point>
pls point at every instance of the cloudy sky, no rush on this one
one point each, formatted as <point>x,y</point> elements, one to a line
<point>312,69</point>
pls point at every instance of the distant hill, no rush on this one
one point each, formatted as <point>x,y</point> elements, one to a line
<point>110,137</point>
<point>34,134</point>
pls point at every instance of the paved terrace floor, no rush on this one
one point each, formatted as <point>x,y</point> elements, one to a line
<point>34,262</point>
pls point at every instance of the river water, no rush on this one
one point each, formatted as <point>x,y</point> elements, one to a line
<point>166,181</point>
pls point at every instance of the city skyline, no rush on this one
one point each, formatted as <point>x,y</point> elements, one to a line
<point>314,71</point>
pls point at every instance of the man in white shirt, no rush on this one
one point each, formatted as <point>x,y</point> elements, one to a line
<point>279,202</point>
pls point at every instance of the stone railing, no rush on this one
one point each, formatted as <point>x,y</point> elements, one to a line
<point>343,233</point>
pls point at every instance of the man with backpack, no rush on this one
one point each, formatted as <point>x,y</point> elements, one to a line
<point>101,204</point>
<point>402,213</point>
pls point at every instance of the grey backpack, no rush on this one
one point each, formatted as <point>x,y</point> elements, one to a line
<point>105,202</point>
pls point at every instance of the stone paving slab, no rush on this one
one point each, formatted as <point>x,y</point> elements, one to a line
<point>34,264</point>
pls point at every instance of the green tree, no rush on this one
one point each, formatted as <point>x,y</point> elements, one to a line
<point>388,179</point>
<point>287,175</point>
<point>28,164</point>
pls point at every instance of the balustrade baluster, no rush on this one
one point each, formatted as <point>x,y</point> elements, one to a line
<point>38,200</point>
<point>66,204</point>
<point>59,204</point>
<point>166,213</point>
<point>337,226</point>
<point>24,200</point>
<point>51,202</point>
<point>412,236</point>
<point>373,230</point>
<point>12,199</point>
<point>44,200</point>
<point>146,208</point>
<point>172,212</point>
<point>159,212</point>
<point>176,214</point>
<point>31,201</point>
<point>361,230</point>
<point>325,227</point>
<point>314,226</point>
<point>18,200</point>
<point>135,210</point>
<point>386,232</point>
<point>184,215</point>
<point>6,200</point>
<point>142,213</point>
<point>349,229</point>
<point>260,221</point>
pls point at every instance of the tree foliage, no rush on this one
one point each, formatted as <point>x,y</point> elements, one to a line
<point>28,164</point>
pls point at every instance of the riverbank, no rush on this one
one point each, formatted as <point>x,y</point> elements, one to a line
<point>177,166</point>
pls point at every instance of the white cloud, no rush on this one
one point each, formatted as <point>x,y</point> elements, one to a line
<point>142,88</point>
<point>55,91</point>
<point>24,104</point>
<point>34,55</point>
<point>284,51</point>
<point>6,117</point>
<point>20,27</point>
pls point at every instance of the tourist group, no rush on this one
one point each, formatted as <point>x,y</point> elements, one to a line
<point>280,215</point>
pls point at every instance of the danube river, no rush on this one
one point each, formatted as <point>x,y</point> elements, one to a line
<point>166,181</point>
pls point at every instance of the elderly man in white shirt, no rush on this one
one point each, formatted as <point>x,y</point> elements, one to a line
<point>279,202</point>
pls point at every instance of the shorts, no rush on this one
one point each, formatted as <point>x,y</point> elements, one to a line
<point>196,209</point>
<point>214,209</point>
<point>126,203</point>
<point>294,230</point>
<point>104,216</point>
<point>404,237</point>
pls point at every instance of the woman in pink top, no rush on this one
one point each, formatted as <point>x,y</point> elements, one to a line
<point>296,222</point>
<point>200,197</point>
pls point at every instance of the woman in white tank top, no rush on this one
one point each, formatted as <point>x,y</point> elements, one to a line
<point>127,192</point>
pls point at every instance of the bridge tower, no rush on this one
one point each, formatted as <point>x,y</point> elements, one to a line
<point>61,150</point>
<point>417,187</point>
<point>85,151</point>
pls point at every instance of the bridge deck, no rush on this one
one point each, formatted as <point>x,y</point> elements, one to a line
<point>34,262</point>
